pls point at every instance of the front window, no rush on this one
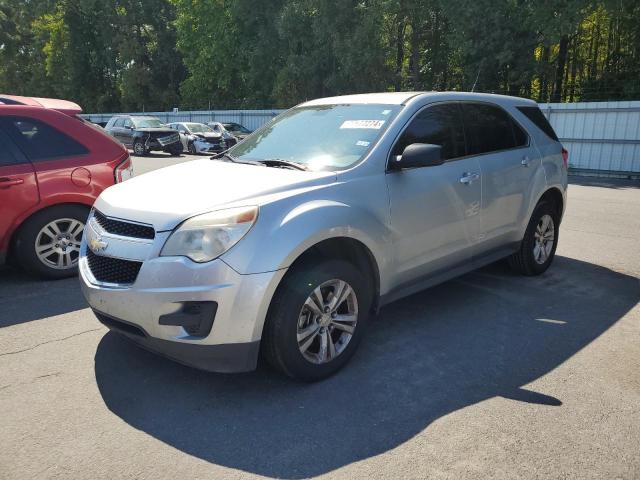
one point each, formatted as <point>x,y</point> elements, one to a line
<point>326,137</point>
<point>148,123</point>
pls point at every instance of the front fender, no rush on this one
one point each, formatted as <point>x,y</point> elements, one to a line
<point>278,239</point>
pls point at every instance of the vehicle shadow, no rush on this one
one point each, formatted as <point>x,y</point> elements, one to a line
<point>487,334</point>
<point>24,298</point>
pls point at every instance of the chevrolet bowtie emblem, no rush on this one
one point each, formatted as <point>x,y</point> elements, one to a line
<point>97,245</point>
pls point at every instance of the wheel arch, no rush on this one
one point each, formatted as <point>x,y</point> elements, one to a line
<point>350,250</point>
<point>554,196</point>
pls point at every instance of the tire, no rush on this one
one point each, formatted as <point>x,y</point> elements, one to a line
<point>191,148</point>
<point>69,221</point>
<point>530,259</point>
<point>176,150</point>
<point>139,149</point>
<point>285,321</point>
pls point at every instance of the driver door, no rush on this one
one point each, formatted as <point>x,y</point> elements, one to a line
<point>435,210</point>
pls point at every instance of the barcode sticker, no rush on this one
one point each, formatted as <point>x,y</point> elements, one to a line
<point>366,124</point>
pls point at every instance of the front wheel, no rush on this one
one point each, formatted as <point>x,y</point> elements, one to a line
<point>192,148</point>
<point>176,149</point>
<point>139,149</point>
<point>538,247</point>
<point>317,319</point>
<point>48,244</point>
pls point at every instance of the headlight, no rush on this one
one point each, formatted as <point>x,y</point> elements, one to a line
<point>206,237</point>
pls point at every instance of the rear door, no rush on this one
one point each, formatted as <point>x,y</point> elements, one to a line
<point>59,161</point>
<point>18,185</point>
<point>508,162</point>
<point>434,210</point>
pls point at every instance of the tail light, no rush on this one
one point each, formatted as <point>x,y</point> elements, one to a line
<point>565,157</point>
<point>124,171</point>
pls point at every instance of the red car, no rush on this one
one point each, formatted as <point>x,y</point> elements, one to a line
<point>53,165</point>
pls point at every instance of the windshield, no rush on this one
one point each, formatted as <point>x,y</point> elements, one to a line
<point>235,127</point>
<point>326,137</point>
<point>147,123</point>
<point>198,128</point>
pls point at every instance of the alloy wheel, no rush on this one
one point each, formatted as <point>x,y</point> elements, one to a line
<point>57,244</point>
<point>327,321</point>
<point>544,237</point>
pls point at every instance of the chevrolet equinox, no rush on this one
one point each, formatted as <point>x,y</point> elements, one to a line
<point>287,243</point>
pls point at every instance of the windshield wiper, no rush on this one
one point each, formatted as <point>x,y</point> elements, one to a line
<point>276,162</point>
<point>231,158</point>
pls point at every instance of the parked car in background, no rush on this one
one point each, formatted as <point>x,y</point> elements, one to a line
<point>53,165</point>
<point>239,131</point>
<point>144,134</point>
<point>289,242</point>
<point>199,138</point>
<point>229,138</point>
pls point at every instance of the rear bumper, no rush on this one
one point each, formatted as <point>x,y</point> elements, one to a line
<point>224,358</point>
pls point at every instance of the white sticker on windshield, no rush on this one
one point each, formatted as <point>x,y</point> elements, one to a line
<point>367,124</point>
<point>386,112</point>
<point>362,143</point>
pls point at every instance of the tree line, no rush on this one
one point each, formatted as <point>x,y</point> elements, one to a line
<point>133,55</point>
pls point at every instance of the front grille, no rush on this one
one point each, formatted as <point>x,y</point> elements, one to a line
<point>126,229</point>
<point>113,270</point>
<point>174,137</point>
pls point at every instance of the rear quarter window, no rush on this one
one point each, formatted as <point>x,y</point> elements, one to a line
<point>537,117</point>
<point>39,141</point>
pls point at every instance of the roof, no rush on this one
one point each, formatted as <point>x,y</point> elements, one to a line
<point>385,98</point>
<point>401,98</point>
<point>63,106</point>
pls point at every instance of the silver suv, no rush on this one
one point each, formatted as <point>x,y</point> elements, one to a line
<point>287,244</point>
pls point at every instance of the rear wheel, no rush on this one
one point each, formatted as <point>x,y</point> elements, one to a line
<point>48,244</point>
<point>540,241</point>
<point>316,320</point>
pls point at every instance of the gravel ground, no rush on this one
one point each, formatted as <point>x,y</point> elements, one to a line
<point>490,375</point>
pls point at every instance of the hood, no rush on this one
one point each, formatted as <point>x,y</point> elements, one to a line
<point>156,130</point>
<point>166,197</point>
<point>208,135</point>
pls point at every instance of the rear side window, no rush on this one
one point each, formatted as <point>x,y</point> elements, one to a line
<point>7,156</point>
<point>537,117</point>
<point>437,125</point>
<point>490,129</point>
<point>39,141</point>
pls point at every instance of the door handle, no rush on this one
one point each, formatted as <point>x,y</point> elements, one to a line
<point>525,161</point>
<point>468,178</point>
<point>6,182</point>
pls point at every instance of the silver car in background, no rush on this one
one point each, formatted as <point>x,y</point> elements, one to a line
<point>287,243</point>
<point>199,138</point>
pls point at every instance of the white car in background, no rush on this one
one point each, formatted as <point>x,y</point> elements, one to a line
<point>199,138</point>
<point>229,138</point>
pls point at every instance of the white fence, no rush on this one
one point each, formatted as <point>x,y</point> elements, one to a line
<point>603,138</point>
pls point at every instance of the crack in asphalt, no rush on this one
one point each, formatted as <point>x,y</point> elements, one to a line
<point>49,341</point>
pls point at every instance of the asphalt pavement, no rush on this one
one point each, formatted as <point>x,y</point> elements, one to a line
<point>491,375</point>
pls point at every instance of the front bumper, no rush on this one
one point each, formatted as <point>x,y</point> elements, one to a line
<point>206,147</point>
<point>163,286</point>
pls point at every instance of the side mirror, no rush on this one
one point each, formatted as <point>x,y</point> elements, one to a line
<point>418,155</point>
<point>183,131</point>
